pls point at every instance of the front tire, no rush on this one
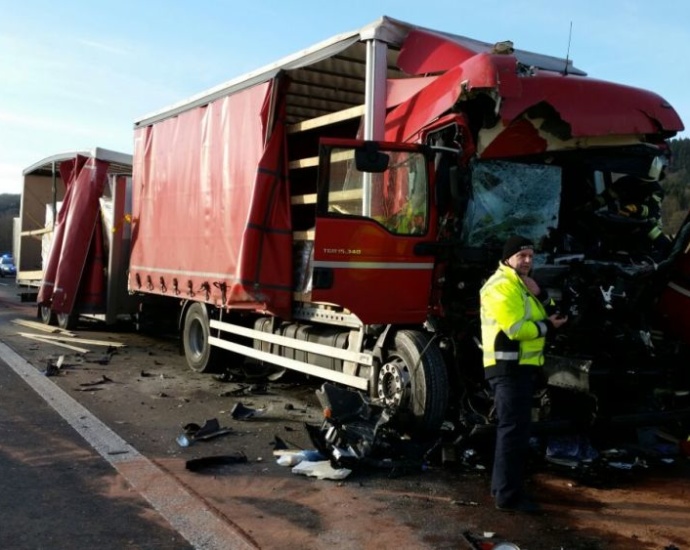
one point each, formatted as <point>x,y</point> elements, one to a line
<point>201,356</point>
<point>414,382</point>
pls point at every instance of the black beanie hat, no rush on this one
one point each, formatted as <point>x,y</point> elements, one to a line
<point>515,244</point>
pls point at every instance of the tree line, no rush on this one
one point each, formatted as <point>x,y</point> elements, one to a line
<point>676,186</point>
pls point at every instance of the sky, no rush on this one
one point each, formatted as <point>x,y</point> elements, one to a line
<point>76,75</point>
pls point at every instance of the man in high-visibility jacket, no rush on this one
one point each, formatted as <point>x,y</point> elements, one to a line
<point>514,326</point>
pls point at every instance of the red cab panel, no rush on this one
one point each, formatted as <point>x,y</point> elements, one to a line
<point>374,212</point>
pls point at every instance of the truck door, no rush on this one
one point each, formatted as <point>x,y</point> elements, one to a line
<point>373,215</point>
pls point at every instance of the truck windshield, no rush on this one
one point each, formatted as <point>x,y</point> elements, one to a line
<point>396,198</point>
<point>509,198</point>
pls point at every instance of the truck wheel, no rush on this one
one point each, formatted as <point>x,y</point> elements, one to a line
<point>47,315</point>
<point>200,355</point>
<point>414,383</point>
<point>67,321</point>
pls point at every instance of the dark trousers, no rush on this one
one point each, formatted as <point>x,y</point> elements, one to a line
<point>513,402</point>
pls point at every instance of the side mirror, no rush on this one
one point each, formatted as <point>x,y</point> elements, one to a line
<point>369,159</point>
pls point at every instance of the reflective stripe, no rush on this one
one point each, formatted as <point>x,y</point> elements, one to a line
<point>428,266</point>
<point>654,233</point>
<point>512,330</point>
<point>502,355</point>
<point>528,315</point>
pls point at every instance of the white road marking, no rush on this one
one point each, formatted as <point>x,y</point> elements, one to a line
<point>194,520</point>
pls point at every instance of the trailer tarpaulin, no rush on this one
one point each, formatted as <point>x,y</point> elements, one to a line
<point>74,231</point>
<point>211,208</point>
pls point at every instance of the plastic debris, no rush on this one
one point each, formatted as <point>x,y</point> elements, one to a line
<point>464,502</point>
<point>104,380</point>
<point>51,369</point>
<point>240,412</point>
<point>320,470</point>
<point>292,458</point>
<point>193,432</point>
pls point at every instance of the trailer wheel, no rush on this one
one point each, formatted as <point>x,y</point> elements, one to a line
<point>47,315</point>
<point>414,383</point>
<point>200,355</point>
<point>67,321</point>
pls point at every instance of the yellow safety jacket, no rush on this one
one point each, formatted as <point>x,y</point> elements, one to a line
<point>514,324</point>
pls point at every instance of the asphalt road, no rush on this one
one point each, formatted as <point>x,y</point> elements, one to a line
<point>89,459</point>
<point>56,491</point>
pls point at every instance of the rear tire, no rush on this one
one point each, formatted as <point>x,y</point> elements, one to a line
<point>201,356</point>
<point>67,321</point>
<point>47,315</point>
<point>414,381</point>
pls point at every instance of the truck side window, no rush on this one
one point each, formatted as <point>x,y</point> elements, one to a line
<point>396,198</point>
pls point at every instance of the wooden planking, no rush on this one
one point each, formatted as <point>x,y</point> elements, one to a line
<point>40,326</point>
<point>325,120</point>
<point>77,340</point>
<point>334,196</point>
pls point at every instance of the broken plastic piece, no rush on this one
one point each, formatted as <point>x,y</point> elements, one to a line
<point>240,412</point>
<point>320,470</point>
<point>103,380</point>
<point>292,458</point>
<point>193,432</point>
<point>51,369</point>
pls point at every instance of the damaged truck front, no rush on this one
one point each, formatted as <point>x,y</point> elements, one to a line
<point>336,213</point>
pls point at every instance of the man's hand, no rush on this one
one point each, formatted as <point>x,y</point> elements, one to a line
<point>557,320</point>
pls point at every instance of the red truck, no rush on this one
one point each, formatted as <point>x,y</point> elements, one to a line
<point>336,213</point>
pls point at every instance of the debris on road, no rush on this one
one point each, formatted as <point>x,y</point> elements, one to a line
<point>240,412</point>
<point>46,339</point>
<point>321,470</point>
<point>53,368</point>
<point>103,380</point>
<point>193,432</point>
<point>247,389</point>
<point>289,457</point>
<point>61,339</point>
<point>199,464</point>
<point>357,432</point>
<point>40,326</point>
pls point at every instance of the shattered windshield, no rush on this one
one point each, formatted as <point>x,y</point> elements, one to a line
<point>508,198</point>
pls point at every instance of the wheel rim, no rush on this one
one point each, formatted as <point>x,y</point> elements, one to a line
<point>46,315</point>
<point>394,383</point>
<point>197,340</point>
